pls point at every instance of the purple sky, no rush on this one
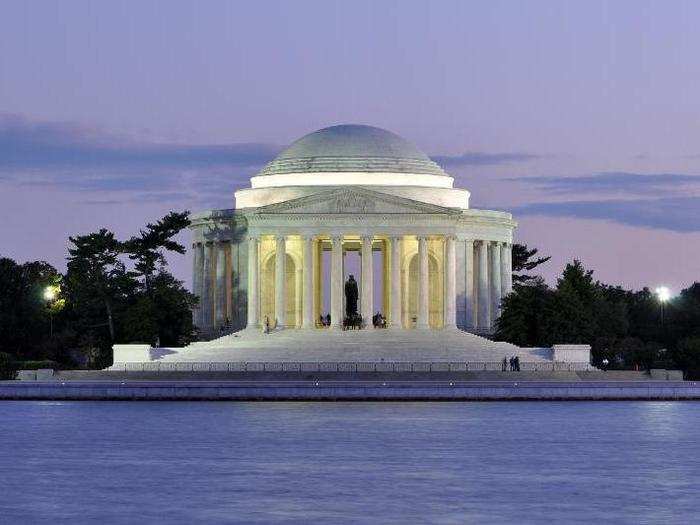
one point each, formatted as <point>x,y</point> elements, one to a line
<point>582,118</point>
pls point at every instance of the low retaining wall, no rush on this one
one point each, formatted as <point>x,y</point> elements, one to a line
<point>350,366</point>
<point>349,390</point>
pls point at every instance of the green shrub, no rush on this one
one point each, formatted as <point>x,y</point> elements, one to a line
<point>36,365</point>
<point>8,366</point>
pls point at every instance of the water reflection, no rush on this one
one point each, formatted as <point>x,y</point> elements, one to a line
<point>349,462</point>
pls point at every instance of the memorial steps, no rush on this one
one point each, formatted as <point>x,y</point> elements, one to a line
<point>325,345</point>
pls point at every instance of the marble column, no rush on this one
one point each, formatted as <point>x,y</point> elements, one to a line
<point>469,296</point>
<point>220,283</point>
<point>483,296</point>
<point>506,269</point>
<point>318,280</point>
<point>367,282</point>
<point>495,273</point>
<point>450,283</point>
<point>197,271</point>
<point>337,282</point>
<point>253,287</point>
<point>298,297</point>
<point>395,283</point>
<point>230,313</point>
<point>423,284</point>
<point>307,318</point>
<point>207,277</point>
<point>280,282</point>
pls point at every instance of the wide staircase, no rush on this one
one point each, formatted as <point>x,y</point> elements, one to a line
<point>372,345</point>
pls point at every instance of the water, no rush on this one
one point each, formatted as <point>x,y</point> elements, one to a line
<point>109,462</point>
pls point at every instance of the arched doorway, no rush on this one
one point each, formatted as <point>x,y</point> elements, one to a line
<point>293,288</point>
<point>435,291</point>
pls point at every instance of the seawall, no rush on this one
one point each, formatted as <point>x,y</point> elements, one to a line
<point>350,390</point>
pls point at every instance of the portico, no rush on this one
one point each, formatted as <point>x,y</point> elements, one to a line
<point>433,285</point>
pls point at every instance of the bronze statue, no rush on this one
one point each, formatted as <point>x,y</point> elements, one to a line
<point>351,295</point>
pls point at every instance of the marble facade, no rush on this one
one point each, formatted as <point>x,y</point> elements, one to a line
<point>443,265</point>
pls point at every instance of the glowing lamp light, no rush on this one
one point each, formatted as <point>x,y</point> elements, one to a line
<point>50,293</point>
<point>663,293</point>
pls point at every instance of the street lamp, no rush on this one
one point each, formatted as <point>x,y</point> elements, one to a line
<point>50,293</point>
<point>663,294</point>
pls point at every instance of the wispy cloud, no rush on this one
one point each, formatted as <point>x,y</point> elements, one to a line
<point>477,158</point>
<point>678,214</point>
<point>80,158</point>
<point>615,181</point>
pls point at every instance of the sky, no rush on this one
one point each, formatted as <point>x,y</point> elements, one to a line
<point>581,118</point>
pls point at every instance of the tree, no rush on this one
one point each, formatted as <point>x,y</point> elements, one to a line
<point>24,317</point>
<point>570,318</point>
<point>8,366</point>
<point>148,249</point>
<point>96,274</point>
<point>524,260</point>
<point>523,318</point>
<point>99,301</point>
<point>164,312</point>
<point>535,315</point>
<point>687,356</point>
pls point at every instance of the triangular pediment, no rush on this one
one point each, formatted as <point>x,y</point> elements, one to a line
<point>353,200</point>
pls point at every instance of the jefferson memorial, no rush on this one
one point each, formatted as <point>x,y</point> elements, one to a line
<point>351,189</point>
<point>274,273</point>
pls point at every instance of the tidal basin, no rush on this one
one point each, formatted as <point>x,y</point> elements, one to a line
<point>227,462</point>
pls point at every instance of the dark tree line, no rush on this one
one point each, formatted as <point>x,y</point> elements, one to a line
<point>623,326</point>
<point>112,292</point>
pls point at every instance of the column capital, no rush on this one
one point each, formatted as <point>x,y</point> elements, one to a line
<point>450,237</point>
<point>367,237</point>
<point>336,238</point>
<point>253,237</point>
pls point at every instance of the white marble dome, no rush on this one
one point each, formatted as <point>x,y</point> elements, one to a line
<point>352,154</point>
